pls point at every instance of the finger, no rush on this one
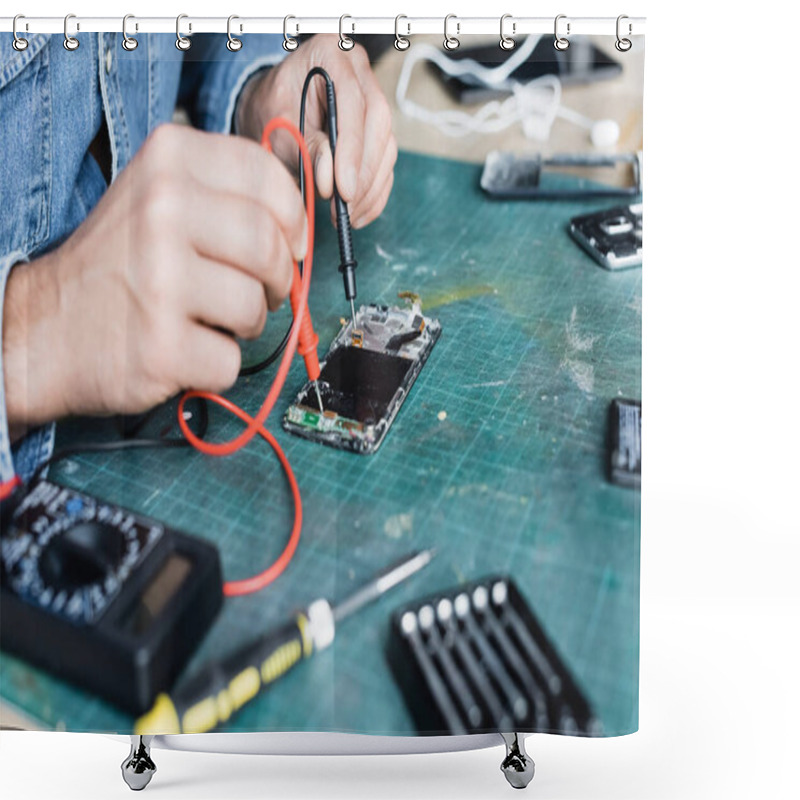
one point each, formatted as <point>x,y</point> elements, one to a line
<point>211,359</point>
<point>319,149</point>
<point>226,298</point>
<point>229,164</point>
<point>237,231</point>
<point>351,111</point>
<point>370,206</point>
<point>378,206</point>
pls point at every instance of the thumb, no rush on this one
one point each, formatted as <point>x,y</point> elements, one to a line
<point>320,151</point>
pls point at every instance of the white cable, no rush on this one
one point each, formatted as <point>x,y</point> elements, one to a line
<point>534,104</point>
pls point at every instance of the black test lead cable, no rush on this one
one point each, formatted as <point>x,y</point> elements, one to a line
<point>348,262</point>
<point>131,443</point>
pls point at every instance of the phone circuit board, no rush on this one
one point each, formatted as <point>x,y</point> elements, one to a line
<point>366,377</point>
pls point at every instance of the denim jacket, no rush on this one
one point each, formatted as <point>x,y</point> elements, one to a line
<point>52,104</point>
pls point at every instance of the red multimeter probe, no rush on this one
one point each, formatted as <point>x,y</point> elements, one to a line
<point>301,338</point>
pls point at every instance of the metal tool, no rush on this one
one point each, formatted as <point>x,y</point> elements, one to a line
<point>222,688</point>
<point>493,664</point>
<point>464,695</point>
<point>516,701</point>
<point>516,663</point>
<point>511,618</point>
<point>410,628</point>
<point>319,396</point>
<point>492,702</point>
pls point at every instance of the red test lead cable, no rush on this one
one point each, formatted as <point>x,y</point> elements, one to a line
<point>303,339</point>
<point>7,487</point>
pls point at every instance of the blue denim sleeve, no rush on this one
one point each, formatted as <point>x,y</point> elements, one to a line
<point>213,76</point>
<point>37,446</point>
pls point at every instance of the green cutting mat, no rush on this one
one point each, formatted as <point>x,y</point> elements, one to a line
<point>497,459</point>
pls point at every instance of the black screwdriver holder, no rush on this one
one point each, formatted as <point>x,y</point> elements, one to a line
<point>475,659</point>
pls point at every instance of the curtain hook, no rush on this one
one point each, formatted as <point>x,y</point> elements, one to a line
<point>182,42</point>
<point>19,44</point>
<point>401,42</point>
<point>345,42</point>
<point>451,42</point>
<point>128,42</point>
<point>507,42</point>
<point>70,42</point>
<point>288,42</point>
<point>233,44</point>
<point>623,45</point>
<point>561,42</point>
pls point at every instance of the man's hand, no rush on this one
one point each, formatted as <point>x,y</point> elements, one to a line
<point>366,150</point>
<point>192,243</point>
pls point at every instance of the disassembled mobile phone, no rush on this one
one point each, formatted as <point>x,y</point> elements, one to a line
<point>612,237</point>
<point>525,177</point>
<point>104,597</point>
<point>366,377</point>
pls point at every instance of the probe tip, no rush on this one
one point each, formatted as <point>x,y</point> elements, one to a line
<point>353,312</point>
<point>319,396</point>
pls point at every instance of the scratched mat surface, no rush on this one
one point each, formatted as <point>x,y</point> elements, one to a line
<point>497,459</point>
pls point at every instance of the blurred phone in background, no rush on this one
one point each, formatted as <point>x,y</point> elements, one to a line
<point>581,62</point>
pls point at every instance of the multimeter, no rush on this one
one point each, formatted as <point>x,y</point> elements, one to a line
<point>103,597</point>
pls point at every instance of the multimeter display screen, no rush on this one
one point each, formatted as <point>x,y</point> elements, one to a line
<point>157,594</point>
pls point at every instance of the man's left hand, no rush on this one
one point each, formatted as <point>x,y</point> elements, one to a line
<point>366,149</point>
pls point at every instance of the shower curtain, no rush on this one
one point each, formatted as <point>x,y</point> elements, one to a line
<point>478,405</point>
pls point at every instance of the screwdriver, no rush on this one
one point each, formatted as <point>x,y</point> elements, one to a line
<point>222,688</point>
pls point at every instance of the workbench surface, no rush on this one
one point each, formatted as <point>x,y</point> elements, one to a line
<point>497,459</point>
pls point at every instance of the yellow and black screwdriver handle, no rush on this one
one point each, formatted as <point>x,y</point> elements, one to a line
<point>220,689</point>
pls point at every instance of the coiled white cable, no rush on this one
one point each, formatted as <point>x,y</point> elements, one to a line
<point>535,104</point>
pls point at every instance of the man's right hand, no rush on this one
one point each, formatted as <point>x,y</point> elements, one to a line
<point>192,244</point>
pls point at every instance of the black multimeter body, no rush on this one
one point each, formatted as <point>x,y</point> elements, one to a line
<point>103,597</point>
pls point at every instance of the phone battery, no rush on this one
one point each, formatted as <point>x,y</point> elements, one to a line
<point>612,237</point>
<point>625,445</point>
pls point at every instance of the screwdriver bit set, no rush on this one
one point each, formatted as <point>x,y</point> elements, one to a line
<point>476,660</point>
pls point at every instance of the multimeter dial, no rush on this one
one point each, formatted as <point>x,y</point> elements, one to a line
<point>103,597</point>
<point>74,553</point>
<point>84,554</point>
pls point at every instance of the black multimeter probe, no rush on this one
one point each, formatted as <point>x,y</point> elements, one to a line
<point>348,263</point>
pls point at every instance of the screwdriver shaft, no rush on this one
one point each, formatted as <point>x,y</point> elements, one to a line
<point>382,583</point>
<point>319,396</point>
